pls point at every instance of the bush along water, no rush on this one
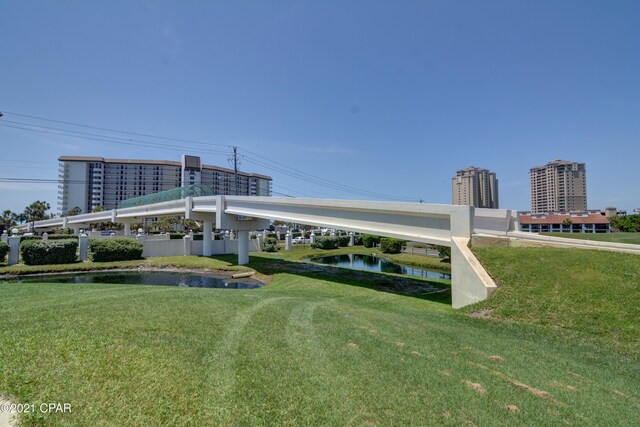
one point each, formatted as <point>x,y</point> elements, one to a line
<point>326,243</point>
<point>391,246</point>
<point>370,240</point>
<point>444,252</point>
<point>119,249</point>
<point>41,252</point>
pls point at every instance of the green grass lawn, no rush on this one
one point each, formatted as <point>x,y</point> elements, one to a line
<point>631,238</point>
<point>329,348</point>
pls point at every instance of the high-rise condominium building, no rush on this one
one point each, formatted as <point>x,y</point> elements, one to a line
<point>475,187</point>
<point>89,182</point>
<point>559,186</point>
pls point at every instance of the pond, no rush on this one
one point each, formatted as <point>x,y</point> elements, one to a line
<point>377,264</point>
<point>159,278</point>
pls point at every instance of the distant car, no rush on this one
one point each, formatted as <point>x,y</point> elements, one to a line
<point>300,241</point>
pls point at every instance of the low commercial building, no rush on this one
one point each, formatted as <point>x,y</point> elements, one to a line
<point>564,222</point>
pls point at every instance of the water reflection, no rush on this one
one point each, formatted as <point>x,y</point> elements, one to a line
<point>373,263</point>
<point>159,278</point>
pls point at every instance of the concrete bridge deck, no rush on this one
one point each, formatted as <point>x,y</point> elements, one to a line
<point>446,225</point>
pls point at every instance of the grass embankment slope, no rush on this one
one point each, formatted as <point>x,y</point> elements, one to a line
<point>630,238</point>
<point>314,349</point>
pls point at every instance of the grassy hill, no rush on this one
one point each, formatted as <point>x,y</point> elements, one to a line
<point>314,347</point>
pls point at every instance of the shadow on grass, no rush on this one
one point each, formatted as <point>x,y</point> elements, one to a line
<point>417,288</point>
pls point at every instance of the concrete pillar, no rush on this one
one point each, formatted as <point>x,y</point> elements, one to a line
<point>187,244</point>
<point>260,240</point>
<point>288,244</point>
<point>312,238</point>
<point>5,237</point>
<point>352,239</point>
<point>127,229</point>
<point>83,245</point>
<point>207,243</point>
<point>14,249</point>
<point>112,235</point>
<point>243,247</point>
<point>225,242</point>
<point>140,237</point>
<point>45,236</point>
<point>232,235</point>
<point>278,235</point>
<point>333,234</point>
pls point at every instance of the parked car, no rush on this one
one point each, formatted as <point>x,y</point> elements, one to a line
<point>300,241</point>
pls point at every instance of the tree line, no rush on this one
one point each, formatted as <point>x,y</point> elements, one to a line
<point>36,211</point>
<point>628,223</point>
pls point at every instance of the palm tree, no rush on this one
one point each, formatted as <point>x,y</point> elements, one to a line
<point>8,220</point>
<point>36,211</point>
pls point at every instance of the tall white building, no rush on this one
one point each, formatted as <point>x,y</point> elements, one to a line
<point>89,182</point>
<point>559,186</point>
<point>475,187</point>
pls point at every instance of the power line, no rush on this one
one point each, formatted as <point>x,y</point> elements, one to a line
<point>333,184</point>
<point>106,138</point>
<point>115,130</point>
<point>326,183</point>
<point>258,159</point>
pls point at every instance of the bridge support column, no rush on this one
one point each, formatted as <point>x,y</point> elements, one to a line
<point>470,283</point>
<point>207,243</point>
<point>243,247</point>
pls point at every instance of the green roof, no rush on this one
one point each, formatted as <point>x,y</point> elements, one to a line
<point>193,190</point>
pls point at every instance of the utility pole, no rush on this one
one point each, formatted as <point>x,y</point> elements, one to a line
<point>234,159</point>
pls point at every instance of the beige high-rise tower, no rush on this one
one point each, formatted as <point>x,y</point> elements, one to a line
<point>475,187</point>
<point>559,186</point>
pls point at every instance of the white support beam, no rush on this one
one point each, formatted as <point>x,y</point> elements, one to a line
<point>243,247</point>
<point>207,243</point>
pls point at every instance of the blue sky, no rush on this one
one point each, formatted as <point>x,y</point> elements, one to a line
<point>390,97</point>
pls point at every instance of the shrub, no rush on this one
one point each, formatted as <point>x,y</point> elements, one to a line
<point>370,240</point>
<point>343,241</point>
<point>27,238</point>
<point>391,246</point>
<point>67,231</point>
<point>4,250</point>
<point>325,243</point>
<point>444,251</point>
<point>357,240</point>
<point>62,237</point>
<point>116,249</point>
<point>270,245</point>
<point>40,252</point>
<point>198,237</point>
<point>176,236</point>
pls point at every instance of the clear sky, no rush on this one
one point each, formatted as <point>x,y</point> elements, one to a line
<point>388,97</point>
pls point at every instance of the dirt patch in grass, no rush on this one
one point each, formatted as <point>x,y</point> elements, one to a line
<point>481,313</point>
<point>476,387</point>
<point>529,389</point>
